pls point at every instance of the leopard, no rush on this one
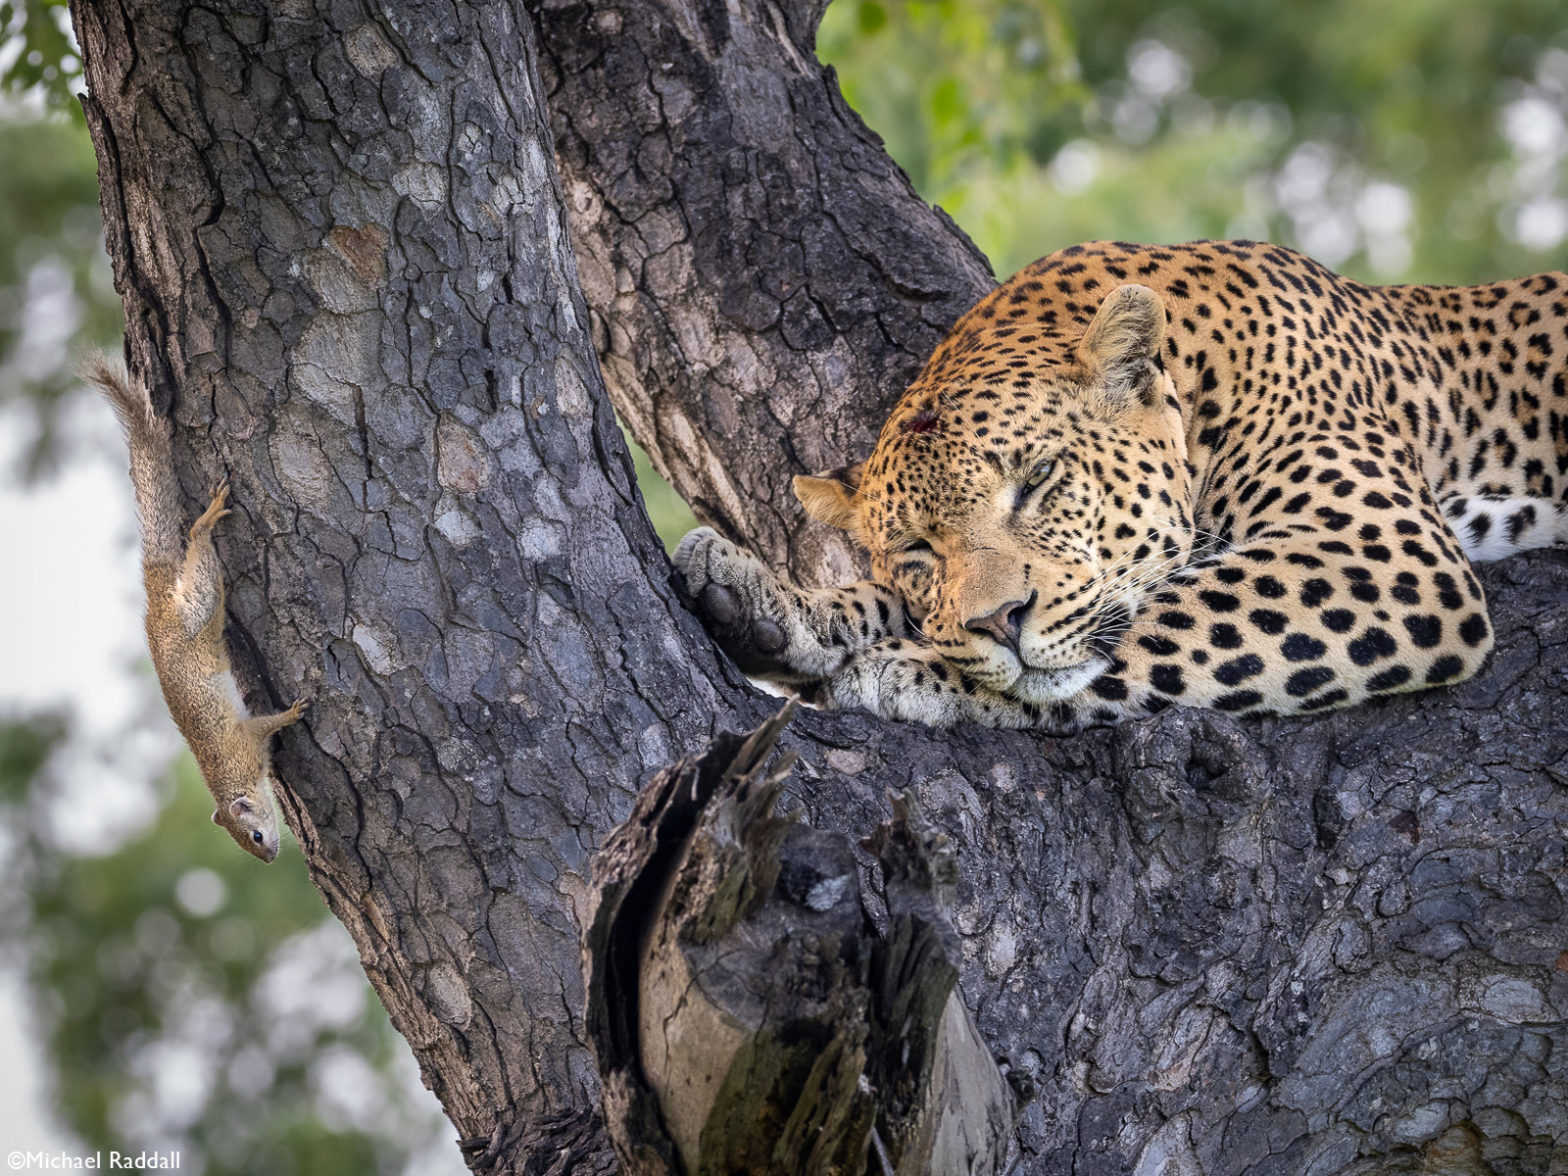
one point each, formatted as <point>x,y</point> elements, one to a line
<point>1215,474</point>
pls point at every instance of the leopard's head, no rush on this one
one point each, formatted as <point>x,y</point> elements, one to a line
<point>1028,493</point>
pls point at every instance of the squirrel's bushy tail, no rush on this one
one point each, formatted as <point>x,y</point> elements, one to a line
<point>152,459</point>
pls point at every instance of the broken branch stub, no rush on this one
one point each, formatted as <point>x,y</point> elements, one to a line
<point>746,1015</point>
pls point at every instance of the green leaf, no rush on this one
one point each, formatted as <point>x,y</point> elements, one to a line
<point>948,103</point>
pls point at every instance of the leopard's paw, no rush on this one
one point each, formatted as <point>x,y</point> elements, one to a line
<point>758,619</point>
<point>896,680</point>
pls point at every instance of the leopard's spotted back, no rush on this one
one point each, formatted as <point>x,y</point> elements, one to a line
<point>1265,344</point>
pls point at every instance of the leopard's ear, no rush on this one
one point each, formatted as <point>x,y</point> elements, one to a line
<point>830,498</point>
<point>1122,344</point>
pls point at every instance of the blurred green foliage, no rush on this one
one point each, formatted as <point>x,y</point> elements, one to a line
<point>1417,141</point>
<point>671,517</point>
<point>37,52</point>
<point>56,294</point>
<point>192,998</point>
<point>1422,140</point>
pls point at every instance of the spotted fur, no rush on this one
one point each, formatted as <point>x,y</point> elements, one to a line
<point>1214,474</point>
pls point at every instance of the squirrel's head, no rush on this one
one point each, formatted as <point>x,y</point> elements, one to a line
<point>253,825</point>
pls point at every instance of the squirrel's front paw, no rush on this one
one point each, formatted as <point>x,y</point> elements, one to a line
<point>756,619</point>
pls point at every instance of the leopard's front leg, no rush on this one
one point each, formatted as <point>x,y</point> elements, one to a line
<point>901,679</point>
<point>1302,624</point>
<point>1285,625</point>
<point>771,628</point>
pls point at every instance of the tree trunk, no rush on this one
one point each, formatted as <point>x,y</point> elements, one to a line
<point>346,270</point>
<point>1197,944</point>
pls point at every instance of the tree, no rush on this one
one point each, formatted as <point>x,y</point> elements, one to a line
<point>1198,944</point>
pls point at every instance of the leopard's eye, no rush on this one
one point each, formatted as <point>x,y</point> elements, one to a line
<point>1042,470</point>
<point>915,547</point>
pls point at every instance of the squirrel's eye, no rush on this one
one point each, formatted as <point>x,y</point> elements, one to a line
<point>1040,473</point>
<point>256,836</point>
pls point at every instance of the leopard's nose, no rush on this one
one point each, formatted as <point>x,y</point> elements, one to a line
<point>1003,624</point>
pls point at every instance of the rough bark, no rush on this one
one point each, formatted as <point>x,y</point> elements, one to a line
<point>1198,944</point>
<point>747,1017</point>
<point>763,279</point>
<point>346,272</point>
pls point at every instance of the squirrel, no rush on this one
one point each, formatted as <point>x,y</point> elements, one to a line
<point>185,626</point>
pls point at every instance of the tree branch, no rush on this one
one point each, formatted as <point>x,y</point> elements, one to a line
<point>764,280</point>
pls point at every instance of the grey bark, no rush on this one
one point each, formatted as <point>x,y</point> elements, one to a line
<point>1197,944</point>
<point>746,1016</point>
<point>763,279</point>
<point>346,272</point>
